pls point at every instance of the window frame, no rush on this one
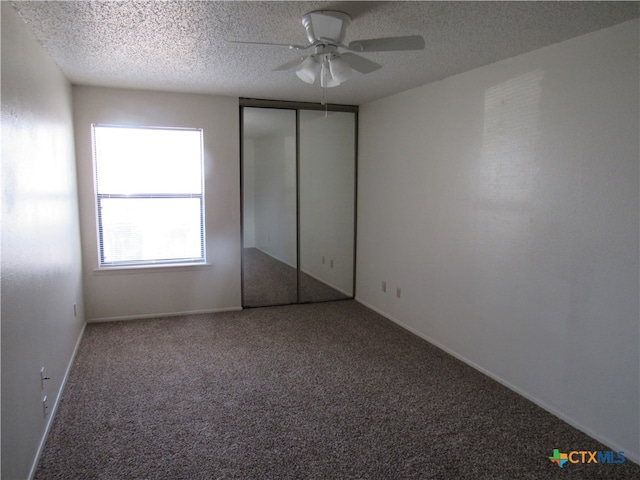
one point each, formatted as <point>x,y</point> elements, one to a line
<point>99,197</point>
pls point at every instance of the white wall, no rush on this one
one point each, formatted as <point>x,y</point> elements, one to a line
<point>41,273</point>
<point>167,290</point>
<point>505,203</point>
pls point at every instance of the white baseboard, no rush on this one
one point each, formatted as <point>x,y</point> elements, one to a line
<point>161,314</point>
<point>306,272</point>
<point>292,265</point>
<point>633,456</point>
<point>327,283</point>
<point>54,409</point>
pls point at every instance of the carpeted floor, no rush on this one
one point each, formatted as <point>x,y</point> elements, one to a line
<point>267,281</point>
<point>316,391</point>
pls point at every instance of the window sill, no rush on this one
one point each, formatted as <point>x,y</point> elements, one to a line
<point>174,267</point>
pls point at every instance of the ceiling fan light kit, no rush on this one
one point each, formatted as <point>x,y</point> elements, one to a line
<point>340,69</point>
<point>326,79</point>
<point>308,70</point>
<point>326,31</point>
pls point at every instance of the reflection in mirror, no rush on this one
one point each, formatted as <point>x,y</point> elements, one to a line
<point>327,205</point>
<point>269,266</point>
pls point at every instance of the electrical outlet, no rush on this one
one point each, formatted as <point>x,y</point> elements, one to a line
<point>43,377</point>
<point>384,286</point>
<point>398,292</point>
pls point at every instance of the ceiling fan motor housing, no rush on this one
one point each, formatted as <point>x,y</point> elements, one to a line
<point>326,26</point>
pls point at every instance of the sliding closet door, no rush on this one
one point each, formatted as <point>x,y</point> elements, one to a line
<point>269,186</point>
<point>327,178</point>
<point>298,205</point>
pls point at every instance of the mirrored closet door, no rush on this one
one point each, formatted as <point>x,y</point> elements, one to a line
<point>326,204</point>
<point>298,205</point>
<point>269,190</point>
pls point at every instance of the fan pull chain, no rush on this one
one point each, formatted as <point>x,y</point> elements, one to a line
<point>324,72</point>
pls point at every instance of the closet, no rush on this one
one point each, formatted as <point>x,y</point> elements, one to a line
<point>298,171</point>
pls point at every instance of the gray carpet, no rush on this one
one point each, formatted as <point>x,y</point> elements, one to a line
<point>267,281</point>
<point>319,391</point>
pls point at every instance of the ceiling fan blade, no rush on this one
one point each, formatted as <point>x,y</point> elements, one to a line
<point>360,64</point>
<point>390,44</point>
<point>291,64</point>
<point>292,47</point>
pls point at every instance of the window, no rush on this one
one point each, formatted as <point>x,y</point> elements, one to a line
<point>149,195</point>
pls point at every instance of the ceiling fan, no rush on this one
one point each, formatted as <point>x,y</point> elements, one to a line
<point>325,32</point>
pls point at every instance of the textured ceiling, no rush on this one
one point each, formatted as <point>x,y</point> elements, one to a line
<point>181,45</point>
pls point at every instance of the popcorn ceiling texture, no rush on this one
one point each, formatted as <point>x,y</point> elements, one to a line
<point>181,45</point>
